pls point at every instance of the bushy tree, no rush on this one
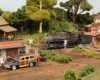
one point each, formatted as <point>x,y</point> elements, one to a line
<point>6,16</point>
<point>74,5</point>
<point>70,74</point>
<point>84,19</point>
<point>35,12</point>
<point>19,19</point>
<point>1,12</point>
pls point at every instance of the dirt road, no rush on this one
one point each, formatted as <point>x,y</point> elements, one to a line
<point>50,70</point>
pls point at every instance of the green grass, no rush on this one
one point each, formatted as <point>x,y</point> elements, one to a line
<point>37,37</point>
<point>93,76</point>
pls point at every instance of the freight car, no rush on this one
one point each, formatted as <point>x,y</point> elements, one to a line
<point>73,38</point>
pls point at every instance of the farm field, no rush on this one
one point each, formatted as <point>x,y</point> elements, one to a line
<point>50,70</point>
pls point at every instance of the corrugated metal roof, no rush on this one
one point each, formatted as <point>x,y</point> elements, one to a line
<point>93,34</point>
<point>3,21</point>
<point>7,28</point>
<point>88,25</point>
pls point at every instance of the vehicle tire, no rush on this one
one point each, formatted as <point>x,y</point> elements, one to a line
<point>13,68</point>
<point>43,59</point>
<point>31,64</point>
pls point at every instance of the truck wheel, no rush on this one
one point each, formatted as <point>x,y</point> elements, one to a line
<point>31,64</point>
<point>13,67</point>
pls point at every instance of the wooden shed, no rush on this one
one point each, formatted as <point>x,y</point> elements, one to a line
<point>5,28</point>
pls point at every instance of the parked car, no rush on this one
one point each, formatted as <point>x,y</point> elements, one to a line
<point>21,61</point>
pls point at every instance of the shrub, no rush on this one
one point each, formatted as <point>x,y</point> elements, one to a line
<point>89,69</point>
<point>70,75</point>
<point>55,56</point>
<point>76,49</point>
<point>89,53</point>
<point>83,73</point>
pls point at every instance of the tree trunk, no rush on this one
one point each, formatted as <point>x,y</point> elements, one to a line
<point>40,28</point>
<point>74,17</point>
<point>22,28</point>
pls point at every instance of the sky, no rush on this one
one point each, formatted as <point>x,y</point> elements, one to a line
<point>13,5</point>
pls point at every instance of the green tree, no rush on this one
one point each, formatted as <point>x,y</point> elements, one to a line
<point>74,5</point>
<point>6,16</point>
<point>1,12</point>
<point>84,19</point>
<point>35,12</point>
<point>19,19</point>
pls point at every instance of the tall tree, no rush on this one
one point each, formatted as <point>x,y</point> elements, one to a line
<point>35,12</point>
<point>6,16</point>
<point>19,19</point>
<point>74,5</point>
<point>1,12</point>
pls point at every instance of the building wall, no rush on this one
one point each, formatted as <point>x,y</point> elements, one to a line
<point>20,49</point>
<point>2,52</point>
<point>27,47</point>
<point>97,21</point>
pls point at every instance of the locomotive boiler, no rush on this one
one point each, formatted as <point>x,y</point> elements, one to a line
<point>73,38</point>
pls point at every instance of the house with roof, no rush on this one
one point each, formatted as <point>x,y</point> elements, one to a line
<point>96,18</point>
<point>5,28</point>
<point>12,47</point>
<point>95,29</point>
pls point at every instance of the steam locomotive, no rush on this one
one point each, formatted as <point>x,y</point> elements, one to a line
<point>73,38</point>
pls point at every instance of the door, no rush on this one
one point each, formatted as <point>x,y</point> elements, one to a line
<point>27,61</point>
<point>12,52</point>
<point>22,62</point>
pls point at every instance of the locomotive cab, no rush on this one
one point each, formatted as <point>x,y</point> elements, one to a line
<point>75,36</point>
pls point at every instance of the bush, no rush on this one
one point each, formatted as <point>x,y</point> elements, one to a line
<point>83,73</point>
<point>55,56</point>
<point>71,75</point>
<point>89,69</point>
<point>76,49</point>
<point>89,53</point>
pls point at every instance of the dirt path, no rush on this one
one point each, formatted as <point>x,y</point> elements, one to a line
<point>53,70</point>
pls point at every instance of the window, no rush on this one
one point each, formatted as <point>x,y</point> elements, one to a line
<point>27,57</point>
<point>22,58</point>
<point>31,57</point>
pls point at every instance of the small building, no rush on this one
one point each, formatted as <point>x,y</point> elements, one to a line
<point>5,28</point>
<point>15,47</point>
<point>96,18</point>
<point>12,47</point>
<point>95,33</point>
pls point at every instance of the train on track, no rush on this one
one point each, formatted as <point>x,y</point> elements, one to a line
<point>73,39</point>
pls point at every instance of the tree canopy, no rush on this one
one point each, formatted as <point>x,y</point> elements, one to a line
<point>35,12</point>
<point>19,19</point>
<point>1,12</point>
<point>6,16</point>
<point>74,5</point>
